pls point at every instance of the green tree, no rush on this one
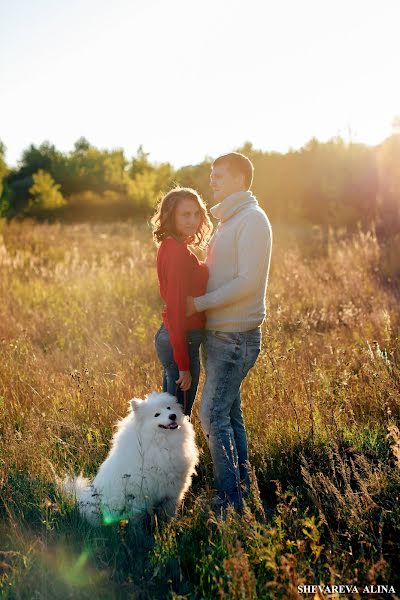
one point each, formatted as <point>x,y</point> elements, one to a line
<point>3,166</point>
<point>44,157</point>
<point>89,168</point>
<point>139,163</point>
<point>147,181</point>
<point>82,145</point>
<point>19,181</point>
<point>388,154</point>
<point>341,186</point>
<point>142,191</point>
<point>196,177</point>
<point>44,193</point>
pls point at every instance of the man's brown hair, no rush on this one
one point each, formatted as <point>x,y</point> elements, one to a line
<point>237,163</point>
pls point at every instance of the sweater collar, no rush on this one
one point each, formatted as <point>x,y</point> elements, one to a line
<point>232,204</point>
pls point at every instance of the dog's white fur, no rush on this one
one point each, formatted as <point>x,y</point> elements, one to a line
<point>149,464</point>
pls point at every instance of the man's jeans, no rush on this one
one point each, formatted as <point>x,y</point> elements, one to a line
<point>170,368</point>
<point>228,358</point>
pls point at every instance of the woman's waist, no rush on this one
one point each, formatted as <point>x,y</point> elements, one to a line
<point>196,321</point>
<point>194,289</point>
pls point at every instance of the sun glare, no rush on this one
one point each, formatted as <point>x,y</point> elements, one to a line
<point>195,81</point>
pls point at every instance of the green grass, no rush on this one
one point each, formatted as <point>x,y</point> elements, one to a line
<point>79,311</point>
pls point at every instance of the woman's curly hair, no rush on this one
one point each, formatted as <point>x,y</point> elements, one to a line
<point>163,221</point>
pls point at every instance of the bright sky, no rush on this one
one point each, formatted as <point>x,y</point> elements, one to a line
<point>195,78</point>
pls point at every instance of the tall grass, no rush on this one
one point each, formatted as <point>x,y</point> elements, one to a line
<point>79,309</point>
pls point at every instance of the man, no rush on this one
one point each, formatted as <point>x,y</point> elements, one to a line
<point>238,260</point>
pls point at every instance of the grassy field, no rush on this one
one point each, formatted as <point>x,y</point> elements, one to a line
<point>79,309</point>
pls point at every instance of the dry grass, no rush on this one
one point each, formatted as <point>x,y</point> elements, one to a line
<point>78,314</point>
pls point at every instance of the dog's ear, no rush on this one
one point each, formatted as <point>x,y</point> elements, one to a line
<point>135,403</point>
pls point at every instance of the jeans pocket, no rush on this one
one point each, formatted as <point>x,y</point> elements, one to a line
<point>254,339</point>
<point>195,338</point>
<point>250,358</point>
<point>228,337</point>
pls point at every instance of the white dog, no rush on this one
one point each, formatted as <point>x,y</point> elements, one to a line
<point>151,462</point>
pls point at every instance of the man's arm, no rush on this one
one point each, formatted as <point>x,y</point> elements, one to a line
<point>190,306</point>
<point>254,247</point>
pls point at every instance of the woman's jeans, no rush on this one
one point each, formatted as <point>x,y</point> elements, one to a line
<point>170,368</point>
<point>228,358</point>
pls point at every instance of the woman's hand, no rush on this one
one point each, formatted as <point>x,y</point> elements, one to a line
<point>184,381</point>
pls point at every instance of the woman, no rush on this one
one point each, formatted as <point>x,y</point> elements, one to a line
<point>181,221</point>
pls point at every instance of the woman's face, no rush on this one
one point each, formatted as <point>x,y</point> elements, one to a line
<point>187,218</point>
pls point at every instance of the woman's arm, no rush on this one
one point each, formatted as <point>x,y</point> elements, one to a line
<point>175,266</point>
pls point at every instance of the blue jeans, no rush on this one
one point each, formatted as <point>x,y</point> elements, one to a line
<point>170,368</point>
<point>228,358</point>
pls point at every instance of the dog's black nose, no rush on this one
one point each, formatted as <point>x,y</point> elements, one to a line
<point>172,417</point>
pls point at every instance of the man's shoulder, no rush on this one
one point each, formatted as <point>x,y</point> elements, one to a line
<point>255,215</point>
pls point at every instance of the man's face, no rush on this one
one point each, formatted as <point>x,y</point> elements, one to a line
<point>223,182</point>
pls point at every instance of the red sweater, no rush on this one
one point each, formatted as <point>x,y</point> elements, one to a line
<point>180,274</point>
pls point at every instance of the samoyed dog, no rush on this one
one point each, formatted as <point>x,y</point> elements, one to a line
<point>150,465</point>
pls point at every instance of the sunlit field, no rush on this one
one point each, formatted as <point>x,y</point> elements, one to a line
<point>79,309</point>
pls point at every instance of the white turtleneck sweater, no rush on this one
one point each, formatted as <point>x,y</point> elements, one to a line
<point>238,260</point>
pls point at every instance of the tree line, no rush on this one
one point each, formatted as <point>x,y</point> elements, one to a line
<point>334,184</point>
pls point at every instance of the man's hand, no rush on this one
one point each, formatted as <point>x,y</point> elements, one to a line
<point>190,307</point>
<point>184,381</point>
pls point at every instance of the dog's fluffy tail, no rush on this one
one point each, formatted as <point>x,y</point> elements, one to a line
<point>81,490</point>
